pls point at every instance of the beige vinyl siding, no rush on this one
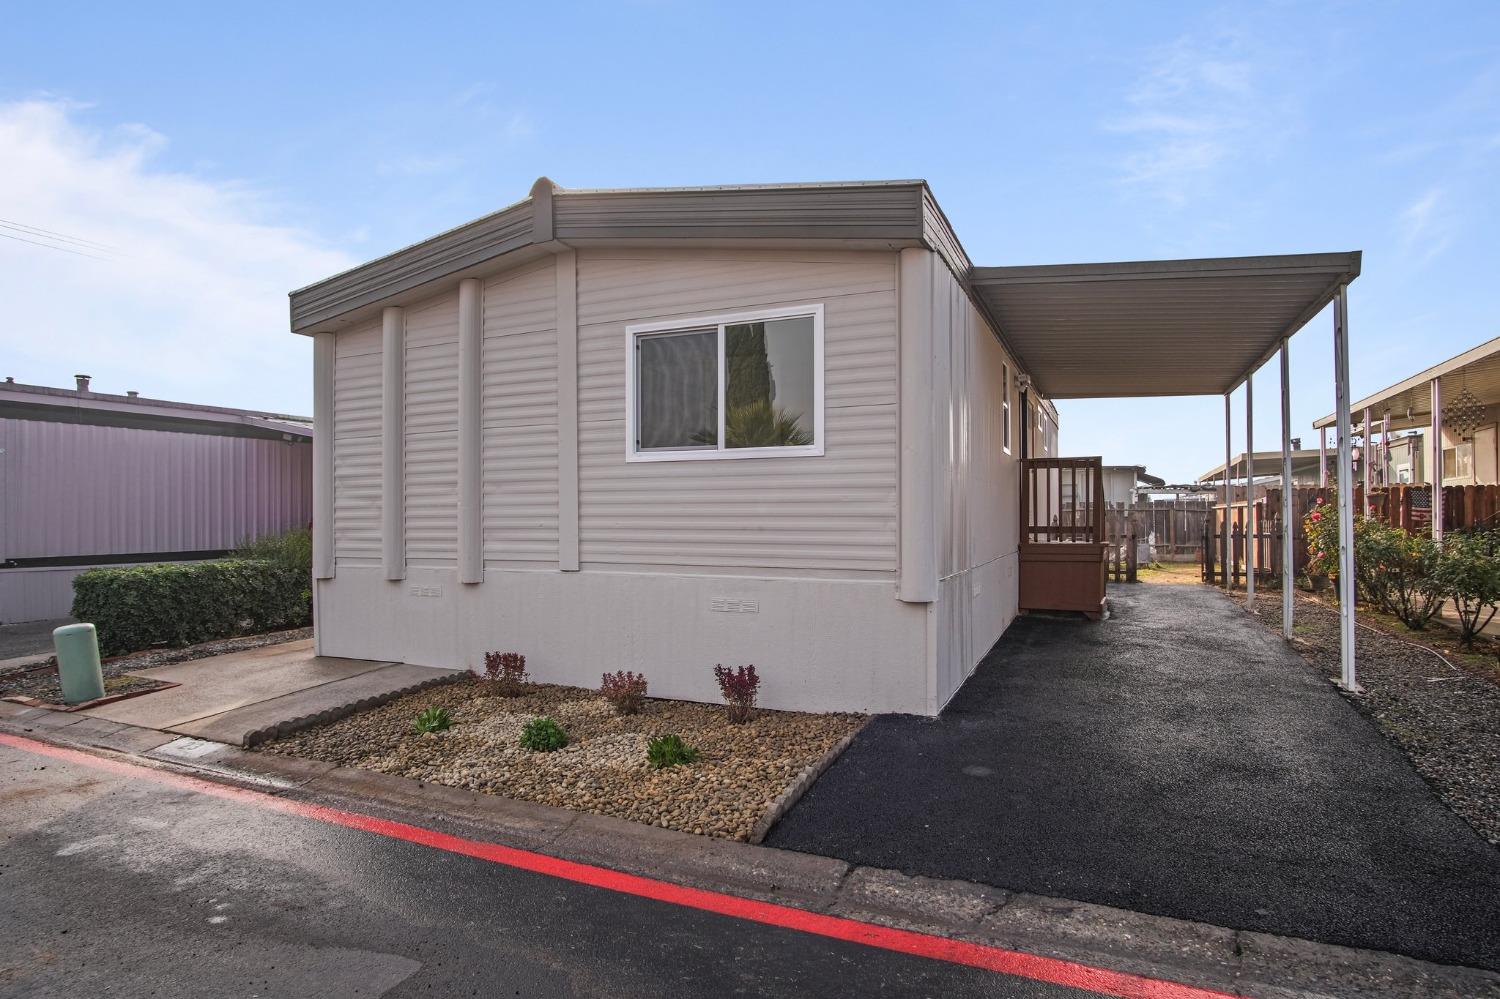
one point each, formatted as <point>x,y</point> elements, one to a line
<point>356,452</point>
<point>431,429</point>
<point>976,502</point>
<point>518,415</point>
<point>834,512</point>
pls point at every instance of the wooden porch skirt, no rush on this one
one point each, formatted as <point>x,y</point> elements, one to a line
<point>1063,576</point>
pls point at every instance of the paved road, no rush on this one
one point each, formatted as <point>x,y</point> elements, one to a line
<point>1178,760</point>
<point>122,886</point>
<point>29,639</point>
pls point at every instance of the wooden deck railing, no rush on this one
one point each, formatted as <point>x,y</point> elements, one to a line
<point>1062,500</point>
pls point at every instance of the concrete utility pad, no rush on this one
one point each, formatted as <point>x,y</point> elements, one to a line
<point>247,695</point>
<point>1180,760</point>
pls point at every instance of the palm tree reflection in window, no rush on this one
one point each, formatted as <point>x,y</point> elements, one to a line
<point>768,383</point>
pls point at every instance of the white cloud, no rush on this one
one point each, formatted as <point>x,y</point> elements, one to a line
<point>1426,225</point>
<point>160,281</point>
<point>1194,110</point>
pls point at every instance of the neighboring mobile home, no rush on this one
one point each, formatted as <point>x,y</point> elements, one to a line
<point>662,429</point>
<point>90,479</point>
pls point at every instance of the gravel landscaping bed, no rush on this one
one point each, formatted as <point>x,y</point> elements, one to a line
<point>603,769</point>
<point>1444,716</point>
<point>41,683</point>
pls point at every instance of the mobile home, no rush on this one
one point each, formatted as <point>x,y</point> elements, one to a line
<point>788,425</point>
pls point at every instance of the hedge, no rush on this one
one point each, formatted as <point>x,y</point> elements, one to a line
<point>137,607</point>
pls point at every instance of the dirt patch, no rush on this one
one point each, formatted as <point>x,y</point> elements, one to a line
<point>1441,705</point>
<point>1170,572</point>
<point>603,770</point>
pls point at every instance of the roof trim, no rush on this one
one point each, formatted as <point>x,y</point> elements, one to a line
<point>1448,367</point>
<point>47,404</point>
<point>877,214</point>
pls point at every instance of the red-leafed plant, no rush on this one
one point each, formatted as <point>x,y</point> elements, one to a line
<point>625,690</point>
<point>505,673</point>
<point>739,687</point>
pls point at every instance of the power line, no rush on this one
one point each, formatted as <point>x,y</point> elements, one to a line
<point>32,230</point>
<point>53,246</point>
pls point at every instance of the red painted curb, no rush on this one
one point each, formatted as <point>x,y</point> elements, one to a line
<point>1119,984</point>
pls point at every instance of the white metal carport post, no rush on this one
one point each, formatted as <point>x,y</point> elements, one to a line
<point>1435,473</point>
<point>1228,544</point>
<point>1345,478</point>
<point>1252,527</point>
<point>1288,508</point>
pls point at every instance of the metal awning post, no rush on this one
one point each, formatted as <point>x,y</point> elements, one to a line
<point>1251,526</point>
<point>1435,473</point>
<point>1288,508</point>
<point>1323,458</point>
<point>1366,453</point>
<point>1347,678</point>
<point>1227,472</point>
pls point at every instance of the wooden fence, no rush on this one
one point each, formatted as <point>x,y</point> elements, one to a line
<point>1404,506</point>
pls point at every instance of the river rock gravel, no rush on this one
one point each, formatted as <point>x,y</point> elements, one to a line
<point>1445,716</point>
<point>603,769</point>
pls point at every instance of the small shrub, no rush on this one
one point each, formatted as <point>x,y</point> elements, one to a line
<point>625,690</point>
<point>739,687</point>
<point>505,672</point>
<point>669,751</point>
<point>1468,573</point>
<point>182,603</point>
<point>432,719</point>
<point>543,735</point>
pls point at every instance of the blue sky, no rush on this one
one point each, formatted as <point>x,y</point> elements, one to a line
<point>208,159</point>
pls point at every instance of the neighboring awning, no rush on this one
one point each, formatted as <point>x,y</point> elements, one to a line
<point>1156,327</point>
<point>1410,401</point>
<point>1265,463</point>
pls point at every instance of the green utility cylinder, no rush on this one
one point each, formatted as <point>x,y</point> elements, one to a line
<point>78,670</point>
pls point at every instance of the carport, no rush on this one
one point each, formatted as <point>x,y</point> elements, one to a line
<point>1178,328</point>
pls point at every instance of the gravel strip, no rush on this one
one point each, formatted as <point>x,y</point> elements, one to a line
<point>1445,718</point>
<point>42,684</point>
<point>603,769</point>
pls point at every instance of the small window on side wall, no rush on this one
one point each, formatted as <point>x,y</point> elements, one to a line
<point>1005,407</point>
<point>747,385</point>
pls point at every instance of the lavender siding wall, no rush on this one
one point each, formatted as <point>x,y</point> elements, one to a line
<point>75,490</point>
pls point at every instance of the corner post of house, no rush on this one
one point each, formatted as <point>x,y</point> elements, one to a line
<point>918,546</point>
<point>1347,676</point>
<point>567,411</point>
<point>1435,466</point>
<point>324,352</point>
<point>1288,507</point>
<point>1228,496</point>
<point>1252,523</point>
<point>392,443</point>
<point>470,493</point>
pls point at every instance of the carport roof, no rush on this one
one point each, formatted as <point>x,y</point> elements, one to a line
<point>1409,401</point>
<point>1156,327</point>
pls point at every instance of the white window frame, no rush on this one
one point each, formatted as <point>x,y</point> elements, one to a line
<point>635,331</point>
<point>1005,407</point>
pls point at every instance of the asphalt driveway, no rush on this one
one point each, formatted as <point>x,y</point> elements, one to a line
<point>1179,760</point>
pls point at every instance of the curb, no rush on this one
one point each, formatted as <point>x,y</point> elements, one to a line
<point>786,799</point>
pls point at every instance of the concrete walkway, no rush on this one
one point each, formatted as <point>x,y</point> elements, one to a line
<point>1178,760</point>
<point>246,697</point>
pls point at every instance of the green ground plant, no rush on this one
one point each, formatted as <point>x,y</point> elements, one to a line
<point>669,751</point>
<point>543,735</point>
<point>432,719</point>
